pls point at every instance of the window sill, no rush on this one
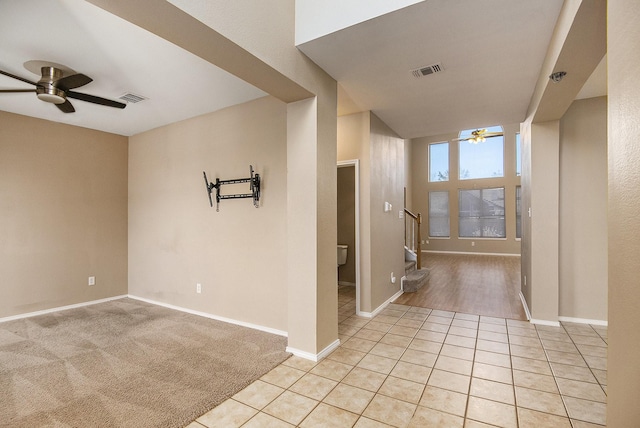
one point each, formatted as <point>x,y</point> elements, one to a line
<point>480,238</point>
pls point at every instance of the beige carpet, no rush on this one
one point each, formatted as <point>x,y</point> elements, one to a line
<point>125,363</point>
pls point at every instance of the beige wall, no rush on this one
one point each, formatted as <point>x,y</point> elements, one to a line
<point>235,37</point>
<point>347,222</point>
<point>365,137</point>
<point>583,210</point>
<point>176,240</point>
<point>525,201</point>
<point>408,173</point>
<point>578,45</point>
<point>387,237</point>
<point>354,143</point>
<point>422,186</point>
<point>624,204</point>
<point>543,223</point>
<point>63,214</point>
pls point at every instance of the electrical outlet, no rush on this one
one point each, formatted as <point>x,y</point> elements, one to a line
<point>198,288</point>
<point>473,243</point>
<point>92,280</point>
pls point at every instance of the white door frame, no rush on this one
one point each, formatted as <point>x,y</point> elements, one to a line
<point>356,171</point>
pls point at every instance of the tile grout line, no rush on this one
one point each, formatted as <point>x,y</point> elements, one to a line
<point>410,340</point>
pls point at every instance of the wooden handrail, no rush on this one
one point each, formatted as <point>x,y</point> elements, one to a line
<point>412,215</point>
<point>418,219</point>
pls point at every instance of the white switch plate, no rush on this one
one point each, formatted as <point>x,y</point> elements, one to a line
<point>92,280</point>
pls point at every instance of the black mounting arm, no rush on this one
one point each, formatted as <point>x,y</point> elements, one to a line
<point>254,187</point>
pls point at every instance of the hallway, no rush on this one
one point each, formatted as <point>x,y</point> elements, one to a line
<point>479,285</point>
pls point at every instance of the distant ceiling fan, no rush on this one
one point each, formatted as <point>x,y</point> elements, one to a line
<point>56,85</point>
<point>479,136</point>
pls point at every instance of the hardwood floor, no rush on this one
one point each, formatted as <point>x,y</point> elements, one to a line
<point>480,285</point>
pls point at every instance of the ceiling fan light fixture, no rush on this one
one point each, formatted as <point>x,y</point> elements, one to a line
<point>51,94</point>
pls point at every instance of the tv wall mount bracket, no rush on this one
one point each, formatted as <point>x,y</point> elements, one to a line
<point>254,188</point>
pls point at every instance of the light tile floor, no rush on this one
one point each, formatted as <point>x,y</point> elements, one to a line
<point>417,367</point>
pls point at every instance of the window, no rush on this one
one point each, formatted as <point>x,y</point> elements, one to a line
<point>482,160</point>
<point>518,156</point>
<point>439,162</point>
<point>518,212</point>
<point>481,213</point>
<point>439,214</point>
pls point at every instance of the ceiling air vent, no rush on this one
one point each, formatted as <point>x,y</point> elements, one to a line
<point>429,69</point>
<point>132,98</point>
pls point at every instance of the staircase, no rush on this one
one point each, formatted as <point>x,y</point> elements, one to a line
<point>415,275</point>
<point>415,278</point>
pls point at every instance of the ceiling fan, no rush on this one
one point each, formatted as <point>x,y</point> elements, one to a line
<point>479,136</point>
<point>56,85</point>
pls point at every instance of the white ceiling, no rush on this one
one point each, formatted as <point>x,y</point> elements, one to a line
<point>491,52</point>
<point>119,56</point>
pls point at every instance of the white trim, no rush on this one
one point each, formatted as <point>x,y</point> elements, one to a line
<point>214,317</point>
<point>382,306</point>
<point>356,171</point>
<point>315,357</point>
<point>60,308</point>
<point>545,322</point>
<point>347,283</point>
<point>471,253</point>
<point>525,306</point>
<point>604,323</point>
<point>402,280</point>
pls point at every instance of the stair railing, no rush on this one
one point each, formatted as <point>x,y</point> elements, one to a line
<point>412,237</point>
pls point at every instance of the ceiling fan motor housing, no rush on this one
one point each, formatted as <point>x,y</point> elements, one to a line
<point>46,89</point>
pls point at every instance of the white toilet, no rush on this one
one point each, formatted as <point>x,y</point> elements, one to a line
<point>342,254</point>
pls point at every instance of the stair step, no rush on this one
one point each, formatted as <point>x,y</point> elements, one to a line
<point>416,280</point>
<point>409,266</point>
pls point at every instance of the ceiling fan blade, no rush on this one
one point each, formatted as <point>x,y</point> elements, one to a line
<point>17,77</point>
<point>16,90</point>
<point>73,81</point>
<point>95,100</point>
<point>66,107</point>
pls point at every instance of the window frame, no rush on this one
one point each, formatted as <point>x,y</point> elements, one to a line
<point>518,148</point>
<point>461,143</point>
<point>482,215</point>
<point>447,217</point>
<point>430,157</point>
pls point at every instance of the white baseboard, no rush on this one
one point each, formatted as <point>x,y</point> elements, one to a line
<point>603,323</point>
<point>545,322</point>
<point>525,306</point>
<point>351,284</point>
<point>60,308</point>
<point>471,253</point>
<point>314,357</point>
<point>211,316</point>
<point>382,306</point>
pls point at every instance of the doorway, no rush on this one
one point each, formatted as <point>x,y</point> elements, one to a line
<point>348,218</point>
